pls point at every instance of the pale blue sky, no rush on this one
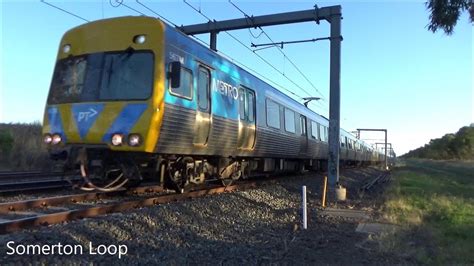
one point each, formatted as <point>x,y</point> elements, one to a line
<point>395,73</point>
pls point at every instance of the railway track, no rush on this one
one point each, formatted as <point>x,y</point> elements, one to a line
<point>15,216</point>
<point>33,186</point>
<point>32,181</point>
<point>370,185</point>
<point>26,174</point>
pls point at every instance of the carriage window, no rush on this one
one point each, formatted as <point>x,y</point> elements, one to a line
<point>251,105</point>
<point>203,88</point>
<point>303,125</point>
<point>315,130</point>
<point>273,114</point>
<point>290,121</point>
<point>326,134</point>
<point>185,89</point>
<point>342,141</point>
<point>322,132</point>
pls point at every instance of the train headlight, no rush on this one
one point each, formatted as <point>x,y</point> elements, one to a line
<point>117,139</point>
<point>139,39</point>
<point>56,139</point>
<point>47,138</point>
<point>66,48</point>
<point>134,140</point>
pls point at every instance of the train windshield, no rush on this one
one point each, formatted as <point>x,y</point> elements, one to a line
<point>127,75</point>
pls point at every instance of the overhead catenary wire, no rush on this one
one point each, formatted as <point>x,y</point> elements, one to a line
<point>230,58</point>
<point>118,3</point>
<point>152,11</point>
<point>65,11</point>
<point>259,56</point>
<point>121,3</point>
<point>248,18</point>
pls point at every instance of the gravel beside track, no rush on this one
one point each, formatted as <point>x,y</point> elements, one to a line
<point>257,226</point>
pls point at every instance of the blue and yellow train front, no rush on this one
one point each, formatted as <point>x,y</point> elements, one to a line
<point>107,88</point>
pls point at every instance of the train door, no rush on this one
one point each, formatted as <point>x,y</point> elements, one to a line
<point>304,135</point>
<point>203,112</point>
<point>247,124</point>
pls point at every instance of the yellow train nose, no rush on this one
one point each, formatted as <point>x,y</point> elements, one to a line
<point>121,125</point>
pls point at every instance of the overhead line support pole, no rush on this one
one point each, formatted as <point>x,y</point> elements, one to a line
<point>213,41</point>
<point>385,131</point>
<point>334,99</point>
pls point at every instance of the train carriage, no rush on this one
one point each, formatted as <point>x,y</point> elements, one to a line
<point>133,97</point>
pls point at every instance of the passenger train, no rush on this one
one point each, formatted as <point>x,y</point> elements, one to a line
<point>134,98</point>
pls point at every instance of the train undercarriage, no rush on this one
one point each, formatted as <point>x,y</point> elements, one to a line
<point>105,170</point>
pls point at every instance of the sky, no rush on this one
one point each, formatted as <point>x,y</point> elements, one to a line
<point>395,74</point>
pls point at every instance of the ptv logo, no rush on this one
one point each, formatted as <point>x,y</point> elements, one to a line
<point>84,116</point>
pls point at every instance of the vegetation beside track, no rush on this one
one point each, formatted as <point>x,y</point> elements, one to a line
<point>449,147</point>
<point>433,201</point>
<point>21,147</point>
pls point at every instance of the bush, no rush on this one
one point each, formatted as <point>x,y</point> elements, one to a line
<point>6,144</point>
<point>22,147</point>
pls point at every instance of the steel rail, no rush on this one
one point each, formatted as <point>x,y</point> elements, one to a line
<point>36,184</point>
<point>33,186</point>
<point>73,198</point>
<point>58,217</point>
<point>382,178</point>
<point>28,174</point>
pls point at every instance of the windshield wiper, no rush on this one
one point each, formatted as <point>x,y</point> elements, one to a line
<point>128,52</point>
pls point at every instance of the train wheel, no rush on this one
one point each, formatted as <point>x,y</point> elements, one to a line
<point>179,172</point>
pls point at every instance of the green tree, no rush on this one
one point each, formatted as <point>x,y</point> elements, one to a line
<point>444,14</point>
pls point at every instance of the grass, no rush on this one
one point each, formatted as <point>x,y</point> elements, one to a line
<point>433,201</point>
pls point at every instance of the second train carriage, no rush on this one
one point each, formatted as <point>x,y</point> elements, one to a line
<point>135,96</point>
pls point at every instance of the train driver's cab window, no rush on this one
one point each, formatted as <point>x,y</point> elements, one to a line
<point>185,89</point>
<point>343,144</point>
<point>273,114</point>
<point>315,130</point>
<point>290,121</point>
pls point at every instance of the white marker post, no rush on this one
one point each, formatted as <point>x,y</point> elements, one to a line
<point>305,214</point>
